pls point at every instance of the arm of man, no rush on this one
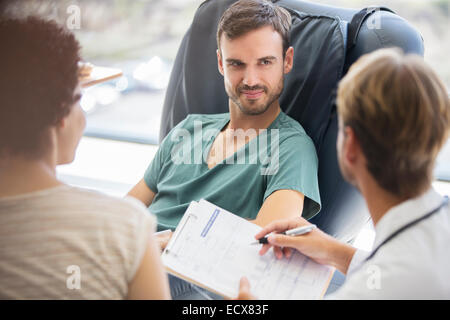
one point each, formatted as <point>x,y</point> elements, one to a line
<point>281,204</point>
<point>142,192</point>
<point>292,189</point>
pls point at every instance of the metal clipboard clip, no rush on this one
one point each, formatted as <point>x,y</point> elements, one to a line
<point>190,217</point>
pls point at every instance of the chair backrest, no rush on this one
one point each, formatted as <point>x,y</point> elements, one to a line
<point>196,86</point>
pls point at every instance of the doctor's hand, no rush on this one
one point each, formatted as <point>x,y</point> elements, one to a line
<point>316,244</point>
<point>244,290</point>
<point>162,238</point>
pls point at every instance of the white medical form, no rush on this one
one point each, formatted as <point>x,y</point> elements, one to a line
<point>211,248</point>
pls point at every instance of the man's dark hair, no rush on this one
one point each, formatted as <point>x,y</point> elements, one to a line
<point>39,74</point>
<point>247,15</point>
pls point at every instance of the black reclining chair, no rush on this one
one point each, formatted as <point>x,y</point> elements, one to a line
<point>197,87</point>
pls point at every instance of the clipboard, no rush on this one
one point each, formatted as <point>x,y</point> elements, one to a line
<point>100,75</point>
<point>187,217</point>
<point>197,253</point>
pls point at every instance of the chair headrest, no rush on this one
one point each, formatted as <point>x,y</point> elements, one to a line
<point>319,44</point>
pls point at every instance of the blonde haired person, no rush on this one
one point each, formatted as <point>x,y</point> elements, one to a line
<point>394,117</point>
<point>57,241</point>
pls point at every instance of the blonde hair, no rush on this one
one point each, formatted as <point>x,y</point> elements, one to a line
<point>399,110</point>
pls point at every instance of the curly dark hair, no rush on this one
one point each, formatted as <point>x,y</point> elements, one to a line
<point>39,74</point>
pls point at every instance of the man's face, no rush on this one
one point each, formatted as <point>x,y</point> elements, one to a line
<point>253,69</point>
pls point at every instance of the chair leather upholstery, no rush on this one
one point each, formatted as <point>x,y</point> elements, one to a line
<point>343,209</point>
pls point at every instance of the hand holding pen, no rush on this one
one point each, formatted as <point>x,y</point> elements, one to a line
<point>292,232</point>
<point>296,233</point>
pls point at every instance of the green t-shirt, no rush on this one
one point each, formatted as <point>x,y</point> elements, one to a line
<point>282,157</point>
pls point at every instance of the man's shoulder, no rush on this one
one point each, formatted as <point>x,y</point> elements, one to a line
<point>292,134</point>
<point>291,131</point>
<point>287,123</point>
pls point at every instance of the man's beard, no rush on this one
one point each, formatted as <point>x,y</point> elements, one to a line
<point>263,108</point>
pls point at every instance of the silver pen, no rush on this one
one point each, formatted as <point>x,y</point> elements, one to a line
<point>292,232</point>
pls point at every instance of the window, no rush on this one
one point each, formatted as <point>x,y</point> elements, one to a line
<point>432,19</point>
<point>141,37</point>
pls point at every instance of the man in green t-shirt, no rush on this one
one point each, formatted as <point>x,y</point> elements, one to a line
<point>254,161</point>
<point>224,158</point>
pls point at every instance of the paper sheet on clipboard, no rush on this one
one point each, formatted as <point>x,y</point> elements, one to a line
<point>211,248</point>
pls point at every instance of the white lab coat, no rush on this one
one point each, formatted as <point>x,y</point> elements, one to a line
<point>413,265</point>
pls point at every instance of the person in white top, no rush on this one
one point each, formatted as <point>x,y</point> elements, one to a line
<point>394,117</point>
<point>57,241</point>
